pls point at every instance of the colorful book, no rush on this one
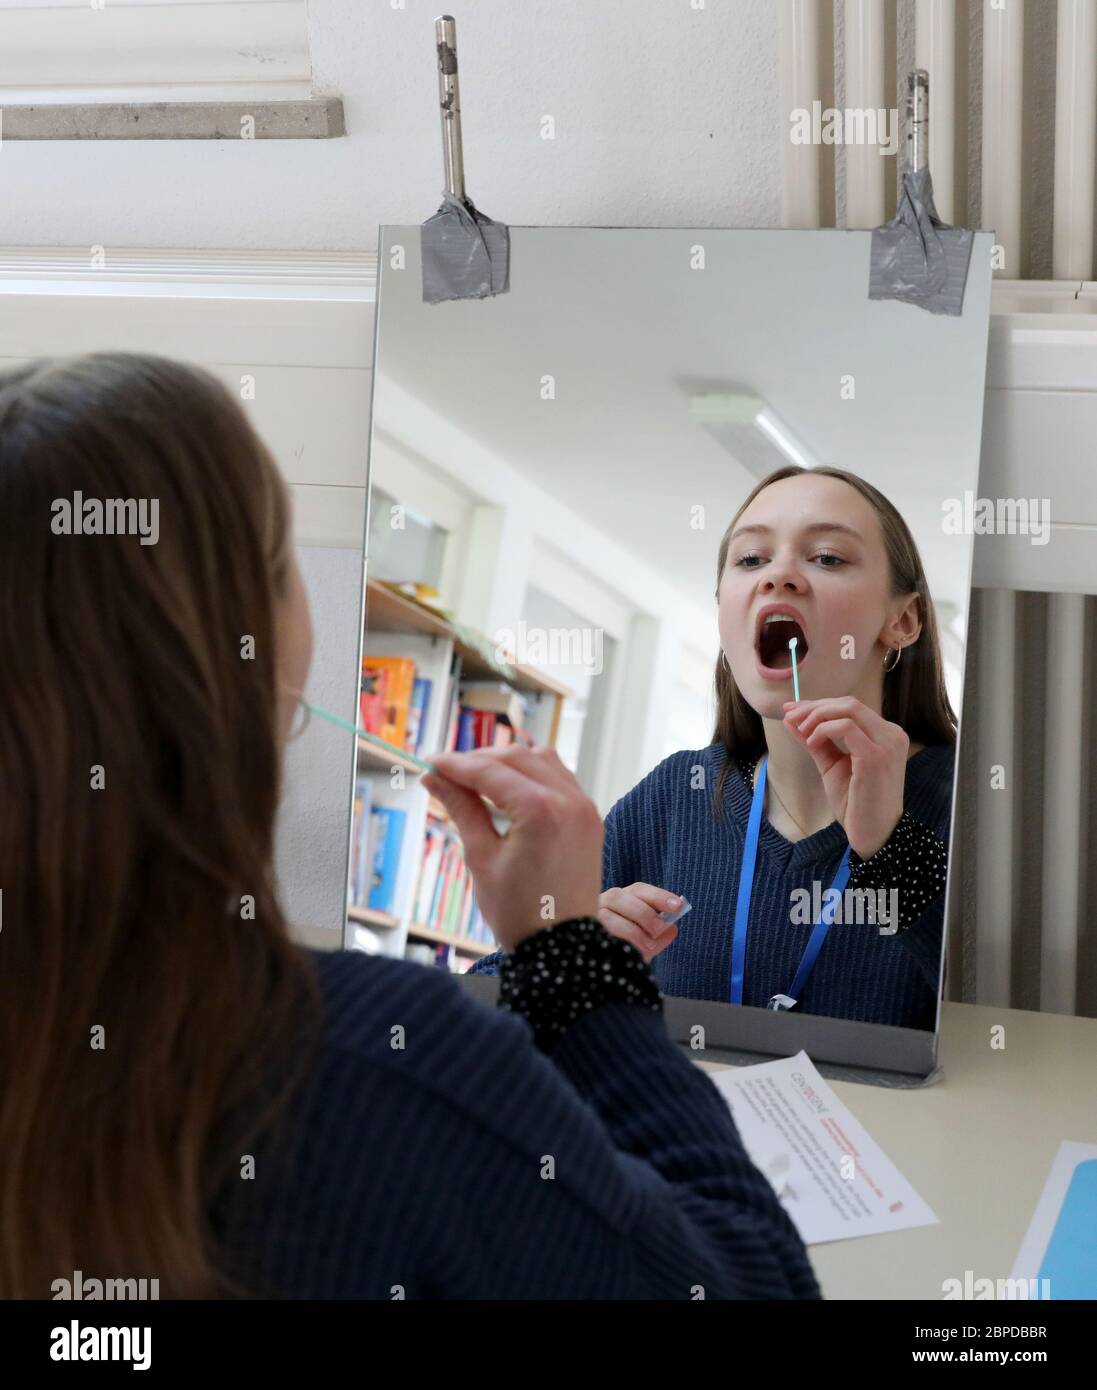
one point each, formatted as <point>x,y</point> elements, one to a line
<point>495,696</point>
<point>466,731</point>
<point>371,698</point>
<point>417,714</point>
<point>399,682</point>
<point>434,842</point>
<point>385,859</point>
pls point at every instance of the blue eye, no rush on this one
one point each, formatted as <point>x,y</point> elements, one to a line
<point>830,555</point>
<point>742,561</point>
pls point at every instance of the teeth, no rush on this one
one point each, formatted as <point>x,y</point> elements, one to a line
<point>778,618</point>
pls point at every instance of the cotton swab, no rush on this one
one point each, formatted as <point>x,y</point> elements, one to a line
<point>399,752</point>
<point>795,674</point>
<point>380,742</point>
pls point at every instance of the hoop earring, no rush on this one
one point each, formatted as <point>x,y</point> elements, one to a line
<point>898,657</point>
<point>724,659</point>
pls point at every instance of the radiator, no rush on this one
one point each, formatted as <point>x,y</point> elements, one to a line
<point>1012,146</point>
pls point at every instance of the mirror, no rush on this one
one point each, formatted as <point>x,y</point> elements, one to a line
<point>556,475</point>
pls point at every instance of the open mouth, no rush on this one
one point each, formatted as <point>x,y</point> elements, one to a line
<point>774,635</point>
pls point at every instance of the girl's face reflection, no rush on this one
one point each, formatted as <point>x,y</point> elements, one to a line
<point>813,545</point>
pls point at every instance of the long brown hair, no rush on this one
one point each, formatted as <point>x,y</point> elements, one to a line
<point>150,1025</point>
<point>914,696</point>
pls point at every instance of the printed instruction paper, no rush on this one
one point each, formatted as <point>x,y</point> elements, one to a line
<point>829,1175</point>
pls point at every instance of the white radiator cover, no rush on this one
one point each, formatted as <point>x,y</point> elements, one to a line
<point>1024,854</point>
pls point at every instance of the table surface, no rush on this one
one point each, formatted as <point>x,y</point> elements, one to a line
<point>977,1146</point>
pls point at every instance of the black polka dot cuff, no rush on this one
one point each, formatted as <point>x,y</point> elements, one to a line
<point>913,860</point>
<point>562,972</point>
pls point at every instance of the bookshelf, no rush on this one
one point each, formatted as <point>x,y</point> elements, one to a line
<point>446,655</point>
<point>369,917</point>
<point>369,753</point>
<point>388,611</point>
<point>464,944</point>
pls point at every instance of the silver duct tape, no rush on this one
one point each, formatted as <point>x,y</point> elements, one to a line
<point>917,258</point>
<point>465,254</point>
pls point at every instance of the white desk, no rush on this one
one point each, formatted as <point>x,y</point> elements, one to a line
<point>977,1146</point>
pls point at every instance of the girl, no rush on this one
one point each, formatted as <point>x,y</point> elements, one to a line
<point>186,1095</point>
<point>850,788</point>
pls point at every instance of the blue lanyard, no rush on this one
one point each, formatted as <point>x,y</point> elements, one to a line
<point>742,908</point>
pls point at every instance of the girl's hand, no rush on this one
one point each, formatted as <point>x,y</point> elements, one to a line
<point>862,759</point>
<point>548,866</point>
<point>633,914</point>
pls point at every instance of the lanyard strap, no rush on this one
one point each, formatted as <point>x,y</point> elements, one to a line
<point>746,885</point>
<point>746,888</point>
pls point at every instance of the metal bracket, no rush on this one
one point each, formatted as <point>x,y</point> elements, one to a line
<point>916,257</point>
<point>465,254</point>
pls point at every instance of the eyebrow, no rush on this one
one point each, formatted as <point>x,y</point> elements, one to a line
<point>816,526</point>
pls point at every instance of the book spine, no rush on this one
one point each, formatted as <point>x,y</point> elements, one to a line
<point>437,897</point>
<point>386,859</point>
<point>371,699</point>
<point>454,702</point>
<point>432,859</point>
<point>417,714</point>
<point>466,731</point>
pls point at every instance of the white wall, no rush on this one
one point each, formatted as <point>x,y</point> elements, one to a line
<point>307,347</point>
<point>313,831</point>
<point>665,115</point>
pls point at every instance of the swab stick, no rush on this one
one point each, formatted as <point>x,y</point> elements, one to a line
<point>380,742</point>
<point>795,674</point>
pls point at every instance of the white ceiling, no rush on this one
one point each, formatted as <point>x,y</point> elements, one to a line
<point>627,330</point>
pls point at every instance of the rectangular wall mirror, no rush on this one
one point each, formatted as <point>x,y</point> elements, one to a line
<point>568,544</point>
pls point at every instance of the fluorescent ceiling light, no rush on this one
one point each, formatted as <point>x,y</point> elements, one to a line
<point>775,428</point>
<point>744,425</point>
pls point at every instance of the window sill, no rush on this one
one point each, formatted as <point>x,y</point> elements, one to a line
<point>311,119</point>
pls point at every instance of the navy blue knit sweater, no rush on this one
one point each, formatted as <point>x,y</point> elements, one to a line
<point>469,1164</point>
<point>664,832</point>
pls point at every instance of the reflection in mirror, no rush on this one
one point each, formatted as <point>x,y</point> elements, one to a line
<point>668,484</point>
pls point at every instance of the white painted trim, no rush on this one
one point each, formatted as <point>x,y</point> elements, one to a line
<point>225,306</point>
<point>1032,296</point>
<point>573,585</point>
<point>1033,356</point>
<point>419,485</point>
<point>146,45</point>
<point>308,271</point>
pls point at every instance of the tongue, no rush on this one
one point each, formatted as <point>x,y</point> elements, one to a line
<point>773,647</point>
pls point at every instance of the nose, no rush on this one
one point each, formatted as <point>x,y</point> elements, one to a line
<point>783,575</point>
